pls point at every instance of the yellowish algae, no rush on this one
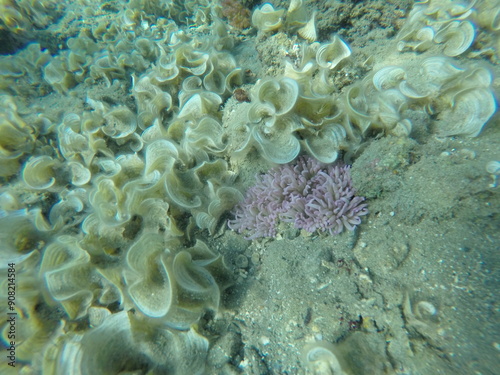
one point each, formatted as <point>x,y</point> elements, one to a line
<point>122,151</point>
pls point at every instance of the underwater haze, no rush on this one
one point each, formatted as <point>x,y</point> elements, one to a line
<point>238,187</point>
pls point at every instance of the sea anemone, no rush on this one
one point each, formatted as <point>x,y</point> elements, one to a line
<point>312,196</point>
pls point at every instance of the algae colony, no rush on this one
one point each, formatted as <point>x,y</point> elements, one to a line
<point>129,131</point>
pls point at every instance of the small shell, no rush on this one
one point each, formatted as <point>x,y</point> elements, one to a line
<point>401,46</point>
<point>308,31</point>
<point>425,310</point>
<point>493,167</point>
<point>331,54</point>
<point>320,358</point>
<point>457,36</point>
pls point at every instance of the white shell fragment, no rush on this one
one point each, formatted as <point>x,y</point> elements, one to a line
<point>320,358</point>
<point>493,168</point>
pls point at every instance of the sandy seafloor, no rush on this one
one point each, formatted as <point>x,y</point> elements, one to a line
<point>432,237</point>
